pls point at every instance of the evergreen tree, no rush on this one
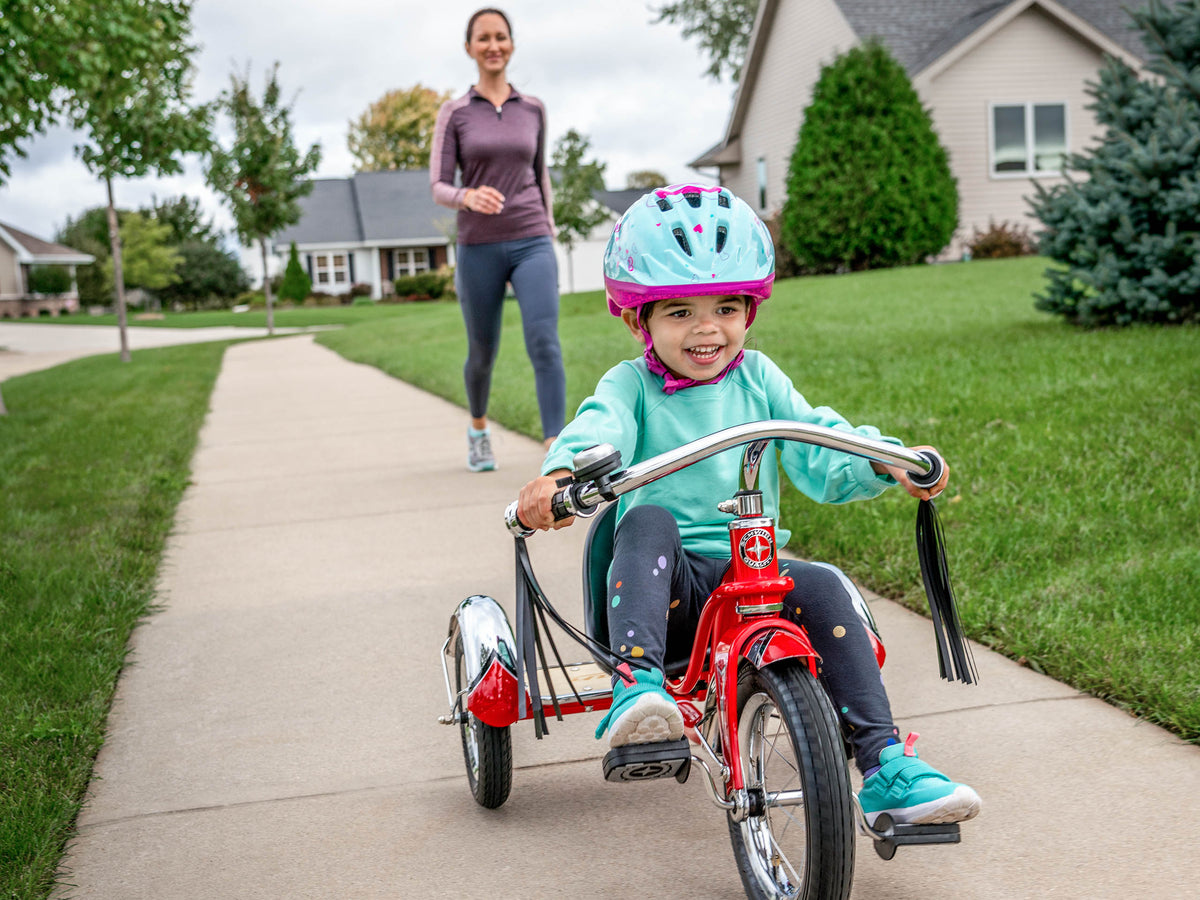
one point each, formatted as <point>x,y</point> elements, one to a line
<point>869,184</point>
<point>296,284</point>
<point>1128,230</point>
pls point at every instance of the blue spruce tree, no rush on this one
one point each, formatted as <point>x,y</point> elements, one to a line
<point>1128,231</point>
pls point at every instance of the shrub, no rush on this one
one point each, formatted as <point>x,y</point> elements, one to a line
<point>49,280</point>
<point>785,262</point>
<point>1001,241</point>
<point>296,284</point>
<point>423,285</point>
<point>362,301</point>
<point>1128,231</point>
<point>869,185</point>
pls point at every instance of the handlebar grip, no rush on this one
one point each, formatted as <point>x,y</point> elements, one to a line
<point>934,475</point>
<point>558,505</point>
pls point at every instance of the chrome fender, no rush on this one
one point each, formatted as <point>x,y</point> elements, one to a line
<point>490,659</point>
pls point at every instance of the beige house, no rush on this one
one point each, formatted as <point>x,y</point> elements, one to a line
<point>20,252</point>
<point>1004,83</point>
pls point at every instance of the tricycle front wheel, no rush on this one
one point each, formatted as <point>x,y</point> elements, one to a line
<point>487,750</point>
<point>800,844</point>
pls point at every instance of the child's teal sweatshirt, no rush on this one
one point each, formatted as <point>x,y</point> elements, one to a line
<point>630,411</point>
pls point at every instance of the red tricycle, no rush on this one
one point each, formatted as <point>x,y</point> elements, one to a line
<point>757,720</point>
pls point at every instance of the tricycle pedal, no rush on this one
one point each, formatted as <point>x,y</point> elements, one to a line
<point>643,762</point>
<point>887,835</point>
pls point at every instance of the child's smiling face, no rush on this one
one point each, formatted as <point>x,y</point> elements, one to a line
<point>694,337</point>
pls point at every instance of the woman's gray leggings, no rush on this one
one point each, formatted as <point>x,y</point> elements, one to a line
<point>479,277</point>
<point>657,589</point>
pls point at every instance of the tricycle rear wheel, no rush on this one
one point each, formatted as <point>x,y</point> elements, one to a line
<point>487,750</point>
<point>801,845</point>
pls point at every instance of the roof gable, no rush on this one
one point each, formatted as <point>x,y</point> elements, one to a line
<point>925,34</point>
<point>34,249</point>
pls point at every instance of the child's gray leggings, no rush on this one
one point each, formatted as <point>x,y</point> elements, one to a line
<point>656,590</point>
<point>479,277</point>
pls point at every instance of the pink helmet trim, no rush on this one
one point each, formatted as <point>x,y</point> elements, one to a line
<point>628,295</point>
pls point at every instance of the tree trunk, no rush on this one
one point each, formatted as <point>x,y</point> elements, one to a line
<point>570,270</point>
<point>114,239</point>
<point>262,241</point>
<point>3,408</point>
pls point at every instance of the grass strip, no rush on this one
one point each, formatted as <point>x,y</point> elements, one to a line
<point>1074,498</point>
<point>94,457</point>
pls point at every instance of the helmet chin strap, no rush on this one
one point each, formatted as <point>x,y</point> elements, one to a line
<point>673,383</point>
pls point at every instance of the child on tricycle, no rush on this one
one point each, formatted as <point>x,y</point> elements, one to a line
<point>686,269</point>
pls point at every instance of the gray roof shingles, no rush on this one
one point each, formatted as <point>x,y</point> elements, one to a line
<point>373,207</point>
<point>918,32</point>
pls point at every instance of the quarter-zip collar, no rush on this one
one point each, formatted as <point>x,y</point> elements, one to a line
<point>512,95</point>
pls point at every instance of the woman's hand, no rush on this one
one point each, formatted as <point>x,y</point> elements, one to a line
<point>484,199</point>
<point>919,492</point>
<point>533,503</point>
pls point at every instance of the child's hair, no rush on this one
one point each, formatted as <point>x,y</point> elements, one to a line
<point>484,12</point>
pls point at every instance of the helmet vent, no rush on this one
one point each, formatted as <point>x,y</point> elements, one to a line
<point>723,200</point>
<point>683,241</point>
<point>693,199</point>
<point>664,204</point>
<point>722,233</point>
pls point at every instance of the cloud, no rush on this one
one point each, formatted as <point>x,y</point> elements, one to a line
<point>636,90</point>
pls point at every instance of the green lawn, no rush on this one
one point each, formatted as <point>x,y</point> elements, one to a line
<point>94,456</point>
<point>292,317</point>
<point>1072,515</point>
<point>1071,518</point>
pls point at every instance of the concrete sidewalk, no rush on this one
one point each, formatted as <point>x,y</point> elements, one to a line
<point>275,733</point>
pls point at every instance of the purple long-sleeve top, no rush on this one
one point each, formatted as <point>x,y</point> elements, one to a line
<point>503,147</point>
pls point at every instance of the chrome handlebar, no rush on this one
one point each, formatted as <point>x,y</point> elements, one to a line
<point>582,499</point>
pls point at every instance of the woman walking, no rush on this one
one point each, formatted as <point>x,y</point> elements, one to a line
<point>496,137</point>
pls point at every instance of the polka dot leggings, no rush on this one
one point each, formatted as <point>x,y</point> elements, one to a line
<point>656,590</point>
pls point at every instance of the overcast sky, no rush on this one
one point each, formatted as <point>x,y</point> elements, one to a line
<point>637,90</point>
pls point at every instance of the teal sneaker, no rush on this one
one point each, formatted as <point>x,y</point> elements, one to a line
<point>479,451</point>
<point>641,712</point>
<point>913,792</point>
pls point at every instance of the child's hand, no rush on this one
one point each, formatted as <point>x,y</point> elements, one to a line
<point>533,504</point>
<point>919,492</point>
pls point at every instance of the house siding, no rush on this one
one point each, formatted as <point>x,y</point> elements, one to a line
<point>805,35</point>
<point>10,278</point>
<point>1031,59</point>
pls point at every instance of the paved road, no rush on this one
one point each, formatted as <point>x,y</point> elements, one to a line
<point>275,732</point>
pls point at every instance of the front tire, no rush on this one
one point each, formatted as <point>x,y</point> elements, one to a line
<point>487,750</point>
<point>801,846</point>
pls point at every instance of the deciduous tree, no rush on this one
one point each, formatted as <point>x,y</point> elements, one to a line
<point>131,102</point>
<point>576,211</point>
<point>722,26</point>
<point>396,130</point>
<point>262,175</point>
<point>645,180</point>
<point>149,259</point>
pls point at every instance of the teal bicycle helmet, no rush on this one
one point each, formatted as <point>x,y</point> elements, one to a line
<point>688,240</point>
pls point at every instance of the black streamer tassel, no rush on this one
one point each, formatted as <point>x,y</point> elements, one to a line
<point>954,653</point>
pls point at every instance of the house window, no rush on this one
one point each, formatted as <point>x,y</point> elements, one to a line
<point>410,262</point>
<point>762,182</point>
<point>1028,138</point>
<point>330,269</point>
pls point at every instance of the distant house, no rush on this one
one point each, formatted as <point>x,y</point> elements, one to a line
<point>1003,81</point>
<point>20,252</point>
<point>372,227</point>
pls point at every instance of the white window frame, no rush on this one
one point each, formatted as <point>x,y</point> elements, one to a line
<point>1030,141</point>
<point>403,262</point>
<point>339,276</point>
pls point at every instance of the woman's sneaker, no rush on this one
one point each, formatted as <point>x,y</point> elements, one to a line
<point>479,450</point>
<point>912,792</point>
<point>641,712</point>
